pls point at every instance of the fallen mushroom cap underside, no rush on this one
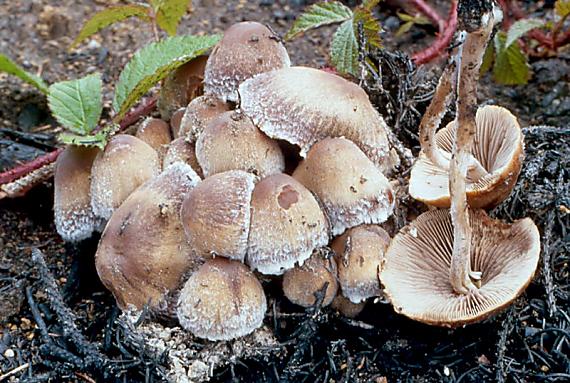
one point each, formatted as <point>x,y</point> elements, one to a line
<point>498,147</point>
<point>417,267</point>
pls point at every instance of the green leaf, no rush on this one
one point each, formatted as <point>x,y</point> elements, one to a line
<point>110,16</point>
<point>562,8</point>
<point>344,49</point>
<point>520,27</point>
<point>511,65</point>
<point>317,15</point>
<point>404,28</point>
<point>169,13</point>
<point>370,25</point>
<point>369,4</point>
<point>152,63</point>
<point>488,59</point>
<point>76,104</point>
<point>98,139</point>
<point>10,67</point>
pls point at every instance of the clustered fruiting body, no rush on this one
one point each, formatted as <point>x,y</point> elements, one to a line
<point>189,220</point>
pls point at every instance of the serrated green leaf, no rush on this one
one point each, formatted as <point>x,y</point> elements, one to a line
<point>344,49</point>
<point>317,15</point>
<point>76,104</point>
<point>169,13</point>
<point>488,59</point>
<point>562,8</point>
<point>152,63</point>
<point>98,139</point>
<point>10,67</point>
<point>370,25</point>
<point>511,65</point>
<point>110,16</point>
<point>520,27</point>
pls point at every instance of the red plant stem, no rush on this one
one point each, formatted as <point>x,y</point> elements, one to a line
<point>430,13</point>
<point>23,169</point>
<point>442,41</point>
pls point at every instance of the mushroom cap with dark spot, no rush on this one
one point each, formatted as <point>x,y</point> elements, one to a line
<point>351,188</point>
<point>416,272</point>
<point>247,49</point>
<point>498,146</point>
<point>143,253</point>
<point>216,215</point>
<point>198,114</point>
<point>287,224</point>
<point>305,105</point>
<point>221,300</point>
<point>232,142</point>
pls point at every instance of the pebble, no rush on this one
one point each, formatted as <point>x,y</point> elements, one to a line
<point>9,353</point>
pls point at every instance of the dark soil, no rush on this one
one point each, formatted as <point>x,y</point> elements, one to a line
<point>529,342</point>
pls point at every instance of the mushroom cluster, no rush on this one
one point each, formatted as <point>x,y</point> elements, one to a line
<point>269,169</point>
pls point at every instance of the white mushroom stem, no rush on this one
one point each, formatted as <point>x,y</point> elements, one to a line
<point>462,278</point>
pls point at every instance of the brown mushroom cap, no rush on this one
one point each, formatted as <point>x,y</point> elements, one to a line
<point>304,105</point>
<point>222,300</point>
<point>351,188</point>
<point>183,151</point>
<point>216,215</point>
<point>359,253</point>
<point>344,306</point>
<point>287,224</point>
<point>247,48</point>
<point>498,146</point>
<point>231,142</point>
<point>74,218</point>
<point>301,284</point>
<point>417,266</point>
<point>181,86</point>
<point>125,164</point>
<point>198,114</point>
<point>176,121</point>
<point>143,254</point>
<point>154,132</point>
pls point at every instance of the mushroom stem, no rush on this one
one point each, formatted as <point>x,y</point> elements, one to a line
<point>478,20</point>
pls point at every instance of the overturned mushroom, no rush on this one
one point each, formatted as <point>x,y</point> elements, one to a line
<point>143,254</point>
<point>318,275</point>
<point>416,270</point>
<point>287,224</point>
<point>222,300</point>
<point>304,105</point>
<point>216,215</point>
<point>198,114</point>
<point>74,218</point>
<point>231,141</point>
<point>351,188</point>
<point>359,253</point>
<point>125,164</point>
<point>247,48</point>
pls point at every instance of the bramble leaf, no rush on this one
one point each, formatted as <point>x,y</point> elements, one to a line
<point>10,67</point>
<point>488,59</point>
<point>511,65</point>
<point>110,16</point>
<point>344,49</point>
<point>169,13</point>
<point>317,15</point>
<point>520,27</point>
<point>370,26</point>
<point>562,8</point>
<point>77,104</point>
<point>98,139</point>
<point>152,63</point>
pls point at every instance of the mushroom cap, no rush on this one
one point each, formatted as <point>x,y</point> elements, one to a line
<point>359,253</point>
<point>351,188</point>
<point>302,283</point>
<point>498,146</point>
<point>199,112</point>
<point>417,267</point>
<point>143,254</point>
<point>176,121</point>
<point>183,151</point>
<point>125,164</point>
<point>181,86</point>
<point>231,142</point>
<point>154,132</point>
<point>287,224</point>
<point>216,215</point>
<point>74,218</point>
<point>247,48</point>
<point>221,300</point>
<point>344,306</point>
<point>304,105</point>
